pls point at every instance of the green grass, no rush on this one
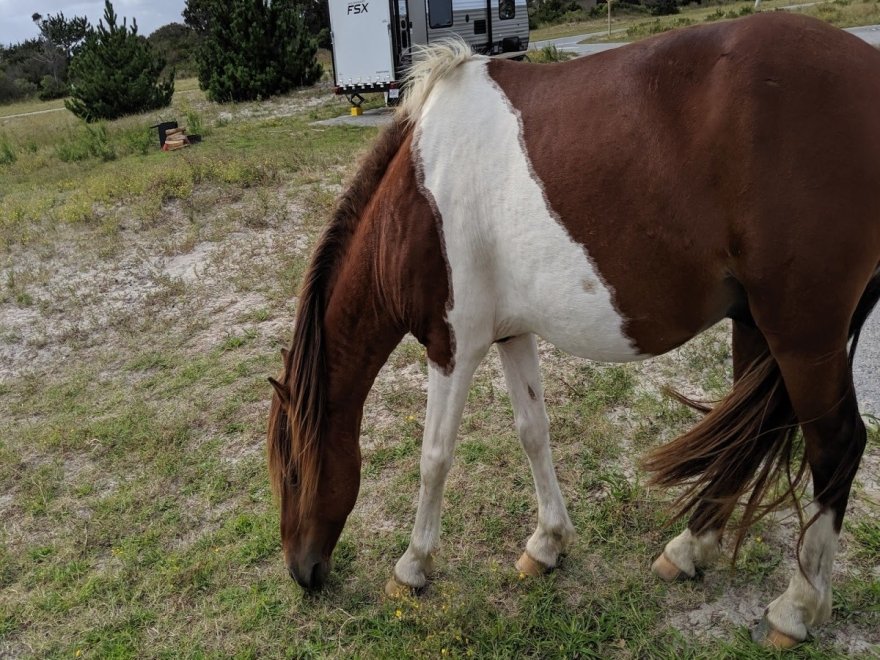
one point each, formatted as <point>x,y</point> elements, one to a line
<point>136,514</point>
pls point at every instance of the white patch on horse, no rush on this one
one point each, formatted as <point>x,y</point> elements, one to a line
<point>512,263</point>
<point>807,601</point>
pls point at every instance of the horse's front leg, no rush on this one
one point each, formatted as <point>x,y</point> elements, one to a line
<point>519,356</point>
<point>447,394</point>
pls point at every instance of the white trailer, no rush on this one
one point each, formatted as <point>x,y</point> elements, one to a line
<point>373,39</point>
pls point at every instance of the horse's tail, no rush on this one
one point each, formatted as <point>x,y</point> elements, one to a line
<point>745,447</point>
<point>297,413</point>
<point>430,65</point>
<point>720,459</point>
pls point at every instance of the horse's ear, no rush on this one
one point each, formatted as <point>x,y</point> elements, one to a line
<point>284,353</point>
<point>280,390</point>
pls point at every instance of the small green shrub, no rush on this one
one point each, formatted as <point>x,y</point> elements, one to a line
<point>656,27</point>
<point>550,12</point>
<point>663,7</point>
<point>89,142</point>
<point>51,88</point>
<point>549,54</point>
<point>7,153</point>
<point>139,140</point>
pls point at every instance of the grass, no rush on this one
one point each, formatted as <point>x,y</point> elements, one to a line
<point>143,300</point>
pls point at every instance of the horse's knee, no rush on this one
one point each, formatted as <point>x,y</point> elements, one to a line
<point>435,466</point>
<point>533,429</point>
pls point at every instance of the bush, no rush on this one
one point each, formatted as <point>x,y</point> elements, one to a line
<point>548,54</point>
<point>663,7</point>
<point>140,140</point>
<point>116,73</point>
<point>51,88</point>
<point>7,153</point>
<point>552,11</point>
<point>90,142</point>
<point>253,49</point>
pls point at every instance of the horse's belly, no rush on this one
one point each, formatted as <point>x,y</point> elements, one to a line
<point>573,311</point>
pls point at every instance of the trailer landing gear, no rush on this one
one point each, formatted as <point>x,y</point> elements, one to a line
<point>355,100</point>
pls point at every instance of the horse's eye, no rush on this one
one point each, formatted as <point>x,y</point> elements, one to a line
<point>293,479</point>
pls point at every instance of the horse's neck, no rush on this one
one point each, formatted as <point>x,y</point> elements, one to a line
<point>359,331</point>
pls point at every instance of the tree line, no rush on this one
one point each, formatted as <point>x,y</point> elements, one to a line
<point>239,49</point>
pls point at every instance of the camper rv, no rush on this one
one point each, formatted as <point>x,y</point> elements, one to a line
<point>373,39</point>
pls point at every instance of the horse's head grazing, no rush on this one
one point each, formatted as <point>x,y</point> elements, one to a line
<point>316,486</point>
<point>314,425</point>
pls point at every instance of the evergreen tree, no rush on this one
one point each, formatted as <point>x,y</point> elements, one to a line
<point>252,49</point>
<point>116,72</point>
<point>60,38</point>
<point>177,44</point>
<point>294,46</point>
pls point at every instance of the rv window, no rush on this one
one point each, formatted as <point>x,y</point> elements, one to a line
<point>439,13</point>
<point>506,9</point>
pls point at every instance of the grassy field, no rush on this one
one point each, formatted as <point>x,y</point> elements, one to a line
<point>634,22</point>
<point>143,299</point>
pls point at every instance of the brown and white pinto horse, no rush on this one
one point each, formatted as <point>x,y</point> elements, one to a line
<point>616,206</point>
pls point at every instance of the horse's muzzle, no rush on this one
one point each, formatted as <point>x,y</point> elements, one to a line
<point>311,576</point>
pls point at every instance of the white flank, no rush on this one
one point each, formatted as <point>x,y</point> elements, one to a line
<point>513,264</point>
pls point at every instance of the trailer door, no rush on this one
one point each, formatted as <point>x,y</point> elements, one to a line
<point>362,49</point>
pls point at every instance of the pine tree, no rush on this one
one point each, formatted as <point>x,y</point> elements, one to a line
<point>252,49</point>
<point>294,47</point>
<point>116,73</point>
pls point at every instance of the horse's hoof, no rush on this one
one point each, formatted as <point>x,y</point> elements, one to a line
<point>766,635</point>
<point>526,565</point>
<point>395,589</point>
<point>666,570</point>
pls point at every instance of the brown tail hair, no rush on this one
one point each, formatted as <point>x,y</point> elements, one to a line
<point>297,414</point>
<point>742,446</point>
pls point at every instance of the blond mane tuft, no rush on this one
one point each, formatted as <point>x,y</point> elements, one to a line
<point>430,65</point>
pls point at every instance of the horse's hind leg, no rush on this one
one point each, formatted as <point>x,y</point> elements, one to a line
<point>447,394</point>
<point>519,356</point>
<point>699,544</point>
<point>820,387</point>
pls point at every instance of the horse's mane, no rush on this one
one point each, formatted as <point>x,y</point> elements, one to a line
<point>295,430</point>
<point>430,65</point>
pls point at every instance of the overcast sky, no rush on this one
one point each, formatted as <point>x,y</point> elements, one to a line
<point>16,24</point>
